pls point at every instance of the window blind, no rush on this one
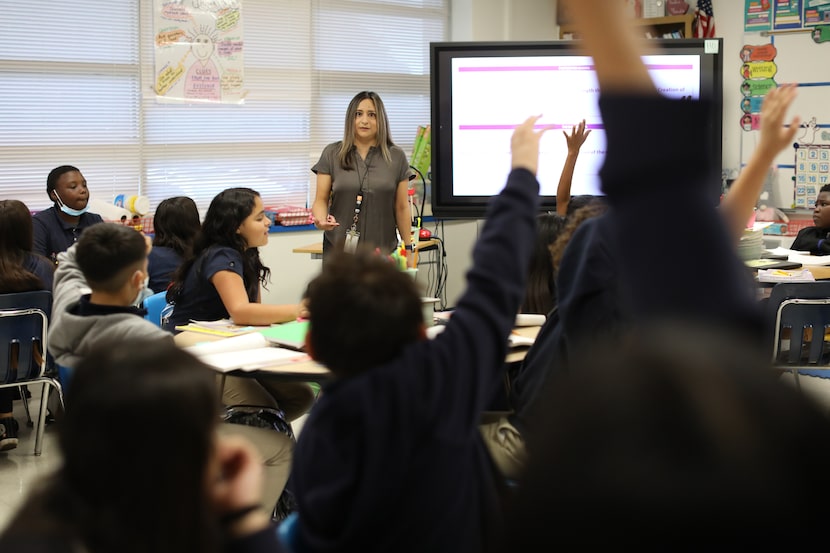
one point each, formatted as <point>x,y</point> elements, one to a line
<point>76,88</point>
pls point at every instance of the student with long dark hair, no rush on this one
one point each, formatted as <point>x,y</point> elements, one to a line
<point>144,469</point>
<point>540,296</point>
<point>362,184</point>
<point>60,226</point>
<point>222,279</point>
<point>175,224</point>
<point>20,271</point>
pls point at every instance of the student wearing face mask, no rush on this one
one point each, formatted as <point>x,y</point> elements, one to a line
<point>60,226</point>
<point>96,286</point>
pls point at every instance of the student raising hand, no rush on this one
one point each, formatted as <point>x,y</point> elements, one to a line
<point>575,140</point>
<point>739,202</point>
<point>775,135</point>
<point>525,145</point>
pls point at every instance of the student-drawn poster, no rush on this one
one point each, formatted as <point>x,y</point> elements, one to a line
<point>199,51</point>
<point>812,171</point>
<point>816,12</point>
<point>787,14</point>
<point>757,15</point>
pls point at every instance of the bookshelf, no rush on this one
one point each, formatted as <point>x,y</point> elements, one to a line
<point>656,26</point>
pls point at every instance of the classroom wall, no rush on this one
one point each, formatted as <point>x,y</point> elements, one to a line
<point>799,60</point>
<point>469,20</point>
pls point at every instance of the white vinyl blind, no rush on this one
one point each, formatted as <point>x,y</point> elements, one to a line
<point>76,88</point>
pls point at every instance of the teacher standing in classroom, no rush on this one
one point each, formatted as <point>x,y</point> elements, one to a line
<point>362,184</point>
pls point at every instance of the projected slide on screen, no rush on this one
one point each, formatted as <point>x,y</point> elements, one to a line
<point>491,95</point>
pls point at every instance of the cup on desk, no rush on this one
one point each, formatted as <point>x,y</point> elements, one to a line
<point>412,272</point>
<point>428,310</point>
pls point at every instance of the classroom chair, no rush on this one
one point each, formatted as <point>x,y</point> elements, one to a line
<point>288,533</point>
<point>799,315</point>
<point>155,306</point>
<point>24,325</point>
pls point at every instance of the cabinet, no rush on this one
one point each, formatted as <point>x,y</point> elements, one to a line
<point>654,27</point>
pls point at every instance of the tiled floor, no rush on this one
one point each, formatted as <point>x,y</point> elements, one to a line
<point>20,469</point>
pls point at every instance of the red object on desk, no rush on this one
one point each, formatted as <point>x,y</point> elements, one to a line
<point>424,234</point>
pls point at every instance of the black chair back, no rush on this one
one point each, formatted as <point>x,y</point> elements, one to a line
<point>23,336</point>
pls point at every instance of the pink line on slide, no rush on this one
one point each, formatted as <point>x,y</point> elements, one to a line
<point>511,127</point>
<point>660,66</point>
<point>531,68</point>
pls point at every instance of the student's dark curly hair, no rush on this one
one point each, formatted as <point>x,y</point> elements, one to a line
<point>226,212</point>
<point>591,209</point>
<point>363,312</point>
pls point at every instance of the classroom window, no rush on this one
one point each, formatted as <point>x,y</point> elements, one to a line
<point>75,88</point>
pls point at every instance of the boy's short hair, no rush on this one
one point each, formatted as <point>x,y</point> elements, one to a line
<point>363,312</point>
<point>108,253</point>
<point>825,188</point>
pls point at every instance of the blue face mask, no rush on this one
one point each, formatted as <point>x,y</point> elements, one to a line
<point>68,210</point>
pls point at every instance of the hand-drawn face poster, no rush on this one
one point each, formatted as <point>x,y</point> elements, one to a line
<point>199,54</point>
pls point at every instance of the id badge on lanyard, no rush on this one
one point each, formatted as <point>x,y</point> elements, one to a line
<point>353,235</point>
<point>352,238</point>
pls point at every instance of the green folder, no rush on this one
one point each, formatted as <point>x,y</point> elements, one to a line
<point>287,335</point>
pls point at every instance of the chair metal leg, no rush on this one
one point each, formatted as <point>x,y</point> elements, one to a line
<point>26,406</point>
<point>41,420</point>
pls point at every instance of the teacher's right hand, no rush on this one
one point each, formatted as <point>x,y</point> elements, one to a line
<point>328,224</point>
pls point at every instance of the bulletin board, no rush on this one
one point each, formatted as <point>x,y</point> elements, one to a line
<point>800,60</point>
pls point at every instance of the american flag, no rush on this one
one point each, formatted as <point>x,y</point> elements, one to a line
<point>705,27</point>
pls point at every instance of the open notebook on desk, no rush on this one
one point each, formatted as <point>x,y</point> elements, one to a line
<point>797,256</point>
<point>248,352</point>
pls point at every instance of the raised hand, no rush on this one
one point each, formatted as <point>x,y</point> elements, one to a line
<point>774,135</point>
<point>524,145</point>
<point>577,138</point>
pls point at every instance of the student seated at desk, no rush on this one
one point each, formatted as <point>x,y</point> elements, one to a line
<point>176,224</point>
<point>111,260</point>
<point>540,296</point>
<point>222,278</point>
<point>96,284</point>
<point>20,271</point>
<point>672,430</point>
<point>593,300</point>
<point>57,228</point>
<point>144,467</point>
<point>390,458</point>
<point>816,239</point>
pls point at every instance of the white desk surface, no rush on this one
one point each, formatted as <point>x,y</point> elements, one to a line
<point>317,372</point>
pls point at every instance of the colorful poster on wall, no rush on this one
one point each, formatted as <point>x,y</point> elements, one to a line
<point>758,70</point>
<point>812,171</point>
<point>757,15</point>
<point>199,51</point>
<point>816,12</point>
<point>787,14</point>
